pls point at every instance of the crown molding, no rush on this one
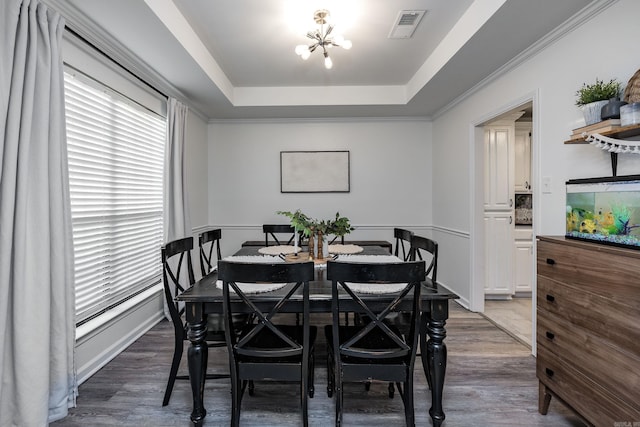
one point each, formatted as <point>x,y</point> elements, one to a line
<point>281,120</point>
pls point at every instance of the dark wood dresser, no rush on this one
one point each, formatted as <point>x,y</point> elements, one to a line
<point>588,329</point>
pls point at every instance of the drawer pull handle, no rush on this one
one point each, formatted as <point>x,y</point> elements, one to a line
<point>551,298</point>
<point>549,372</point>
<point>551,261</point>
<point>550,335</point>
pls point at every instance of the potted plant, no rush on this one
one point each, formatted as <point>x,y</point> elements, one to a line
<point>592,97</point>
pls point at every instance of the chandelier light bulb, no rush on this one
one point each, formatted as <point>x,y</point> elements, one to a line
<point>346,44</point>
<point>328,63</point>
<point>301,48</point>
<point>306,54</point>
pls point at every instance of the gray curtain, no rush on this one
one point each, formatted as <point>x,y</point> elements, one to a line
<point>37,378</point>
<point>177,222</point>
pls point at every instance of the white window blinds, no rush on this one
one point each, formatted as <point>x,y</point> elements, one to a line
<point>116,154</point>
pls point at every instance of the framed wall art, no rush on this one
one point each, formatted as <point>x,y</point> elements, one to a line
<point>314,172</point>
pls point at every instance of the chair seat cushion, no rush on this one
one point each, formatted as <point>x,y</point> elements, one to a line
<point>374,340</point>
<point>267,340</point>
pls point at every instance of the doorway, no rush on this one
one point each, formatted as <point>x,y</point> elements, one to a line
<point>503,246</point>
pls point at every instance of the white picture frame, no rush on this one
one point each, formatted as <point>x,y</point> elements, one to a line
<point>314,172</point>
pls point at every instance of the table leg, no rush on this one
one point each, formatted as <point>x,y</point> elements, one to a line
<point>197,356</point>
<point>437,357</point>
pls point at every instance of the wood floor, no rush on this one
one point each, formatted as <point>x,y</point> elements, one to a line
<point>490,382</point>
<point>513,316</point>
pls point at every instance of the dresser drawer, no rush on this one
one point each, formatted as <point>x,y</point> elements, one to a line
<point>588,398</point>
<point>607,365</point>
<point>603,317</point>
<point>609,272</point>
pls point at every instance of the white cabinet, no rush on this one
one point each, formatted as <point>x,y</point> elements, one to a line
<point>499,161</point>
<point>522,155</point>
<point>498,228</point>
<point>523,261</point>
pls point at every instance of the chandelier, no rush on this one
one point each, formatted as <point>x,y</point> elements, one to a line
<point>322,37</point>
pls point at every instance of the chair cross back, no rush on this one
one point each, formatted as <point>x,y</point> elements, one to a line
<point>418,244</point>
<point>181,248</point>
<point>232,273</point>
<point>341,274</point>
<point>402,237</point>
<point>206,251</point>
<point>272,230</point>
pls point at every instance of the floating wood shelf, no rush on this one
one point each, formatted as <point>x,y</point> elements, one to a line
<point>618,132</point>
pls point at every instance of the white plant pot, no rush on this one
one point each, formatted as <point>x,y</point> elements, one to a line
<point>593,111</point>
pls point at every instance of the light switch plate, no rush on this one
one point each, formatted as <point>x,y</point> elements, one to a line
<point>546,184</point>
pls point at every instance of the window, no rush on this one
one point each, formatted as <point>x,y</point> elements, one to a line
<point>116,155</point>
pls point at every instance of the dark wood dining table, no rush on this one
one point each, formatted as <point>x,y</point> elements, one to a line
<point>205,298</point>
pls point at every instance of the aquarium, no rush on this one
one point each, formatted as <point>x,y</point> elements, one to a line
<point>605,210</point>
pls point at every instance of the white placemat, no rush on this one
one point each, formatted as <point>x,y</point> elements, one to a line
<point>277,250</point>
<point>254,288</point>
<point>373,288</point>
<point>345,249</point>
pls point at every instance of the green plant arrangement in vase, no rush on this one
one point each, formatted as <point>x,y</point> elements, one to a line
<point>315,229</point>
<point>592,97</point>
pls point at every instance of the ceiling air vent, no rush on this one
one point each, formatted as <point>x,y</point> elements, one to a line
<point>406,23</point>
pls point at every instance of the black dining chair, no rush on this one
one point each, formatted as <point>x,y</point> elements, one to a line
<point>274,230</point>
<point>425,248</point>
<point>403,243</point>
<point>372,350</point>
<point>177,272</point>
<point>420,247</point>
<point>268,350</point>
<point>209,242</point>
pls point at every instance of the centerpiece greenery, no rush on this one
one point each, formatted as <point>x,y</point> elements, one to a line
<point>338,226</point>
<point>313,228</point>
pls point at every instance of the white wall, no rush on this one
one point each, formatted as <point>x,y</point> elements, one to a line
<point>391,181</point>
<point>604,47</point>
